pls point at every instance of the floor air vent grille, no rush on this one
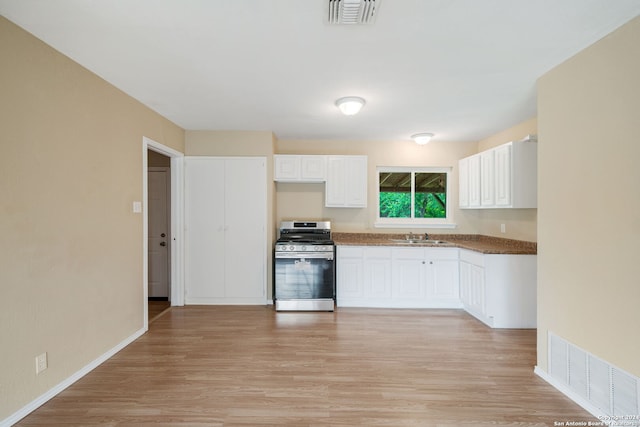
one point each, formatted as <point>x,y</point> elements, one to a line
<point>602,385</point>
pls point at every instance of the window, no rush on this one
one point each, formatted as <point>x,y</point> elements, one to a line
<point>413,196</point>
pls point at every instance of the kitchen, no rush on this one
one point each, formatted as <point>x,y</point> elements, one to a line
<point>580,249</point>
<point>307,200</point>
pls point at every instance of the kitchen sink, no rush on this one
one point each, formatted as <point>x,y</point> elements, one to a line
<point>421,241</point>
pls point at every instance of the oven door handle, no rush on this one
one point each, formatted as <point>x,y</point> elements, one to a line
<point>304,255</point>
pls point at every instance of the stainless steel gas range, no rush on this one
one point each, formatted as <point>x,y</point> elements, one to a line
<point>304,267</point>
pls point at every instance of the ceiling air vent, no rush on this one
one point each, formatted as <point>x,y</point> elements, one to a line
<point>347,12</point>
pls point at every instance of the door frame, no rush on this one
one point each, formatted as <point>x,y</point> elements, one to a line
<point>177,224</point>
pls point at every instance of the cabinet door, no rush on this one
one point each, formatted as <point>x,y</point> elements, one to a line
<point>377,273</point>
<point>503,175</point>
<point>465,284</point>
<point>245,204</point>
<point>286,167</point>
<point>474,181</point>
<point>408,274</point>
<point>442,280</point>
<point>346,184</point>
<point>312,168</point>
<point>463,183</point>
<point>350,273</point>
<point>487,184</point>
<point>204,228</point>
<point>477,295</point>
<point>356,181</point>
<point>335,189</point>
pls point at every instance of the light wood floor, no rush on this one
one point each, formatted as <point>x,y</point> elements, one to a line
<point>249,366</point>
<point>156,309</point>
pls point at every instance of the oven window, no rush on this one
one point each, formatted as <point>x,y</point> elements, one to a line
<point>301,278</point>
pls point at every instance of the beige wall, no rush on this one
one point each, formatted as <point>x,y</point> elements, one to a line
<point>589,201</point>
<point>71,253</point>
<point>229,143</point>
<point>241,143</point>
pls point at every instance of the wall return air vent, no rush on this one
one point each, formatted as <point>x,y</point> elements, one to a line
<point>349,12</point>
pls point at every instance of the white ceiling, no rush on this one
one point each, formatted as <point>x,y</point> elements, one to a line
<point>462,69</point>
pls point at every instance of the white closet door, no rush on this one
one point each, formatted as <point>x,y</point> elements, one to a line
<point>246,202</point>
<point>204,229</point>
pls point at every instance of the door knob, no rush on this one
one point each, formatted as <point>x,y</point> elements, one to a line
<point>163,243</point>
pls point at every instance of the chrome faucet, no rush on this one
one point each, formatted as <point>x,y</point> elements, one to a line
<point>426,236</point>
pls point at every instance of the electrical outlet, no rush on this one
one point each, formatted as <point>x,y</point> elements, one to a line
<point>503,228</point>
<point>41,363</point>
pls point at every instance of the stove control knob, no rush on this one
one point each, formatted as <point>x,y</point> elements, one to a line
<point>291,248</point>
<point>303,248</point>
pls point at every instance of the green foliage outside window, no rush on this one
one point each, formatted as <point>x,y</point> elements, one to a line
<point>398,205</point>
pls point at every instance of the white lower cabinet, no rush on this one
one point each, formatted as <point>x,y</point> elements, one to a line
<point>499,290</point>
<point>370,276</point>
<point>472,288</point>
<point>365,275</point>
<point>377,273</point>
<point>350,273</point>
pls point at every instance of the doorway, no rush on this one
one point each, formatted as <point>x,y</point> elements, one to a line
<point>159,243</point>
<point>162,195</point>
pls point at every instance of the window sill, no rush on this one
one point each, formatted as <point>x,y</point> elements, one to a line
<point>414,225</point>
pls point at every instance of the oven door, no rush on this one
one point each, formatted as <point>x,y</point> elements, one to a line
<point>304,276</point>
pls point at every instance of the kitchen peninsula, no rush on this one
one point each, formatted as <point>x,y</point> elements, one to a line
<point>493,279</point>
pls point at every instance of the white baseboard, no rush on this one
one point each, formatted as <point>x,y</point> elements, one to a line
<point>224,301</point>
<point>564,389</point>
<point>42,399</point>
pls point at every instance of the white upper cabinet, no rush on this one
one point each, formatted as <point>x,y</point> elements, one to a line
<point>299,168</point>
<point>346,185</point>
<point>502,177</point>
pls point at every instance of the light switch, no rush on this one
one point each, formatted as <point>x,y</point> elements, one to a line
<point>137,207</point>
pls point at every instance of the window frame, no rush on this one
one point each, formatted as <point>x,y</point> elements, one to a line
<point>446,222</point>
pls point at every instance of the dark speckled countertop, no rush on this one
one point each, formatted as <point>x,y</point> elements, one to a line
<point>474,242</point>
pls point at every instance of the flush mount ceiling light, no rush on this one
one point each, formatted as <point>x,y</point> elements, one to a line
<point>350,105</point>
<point>422,138</point>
